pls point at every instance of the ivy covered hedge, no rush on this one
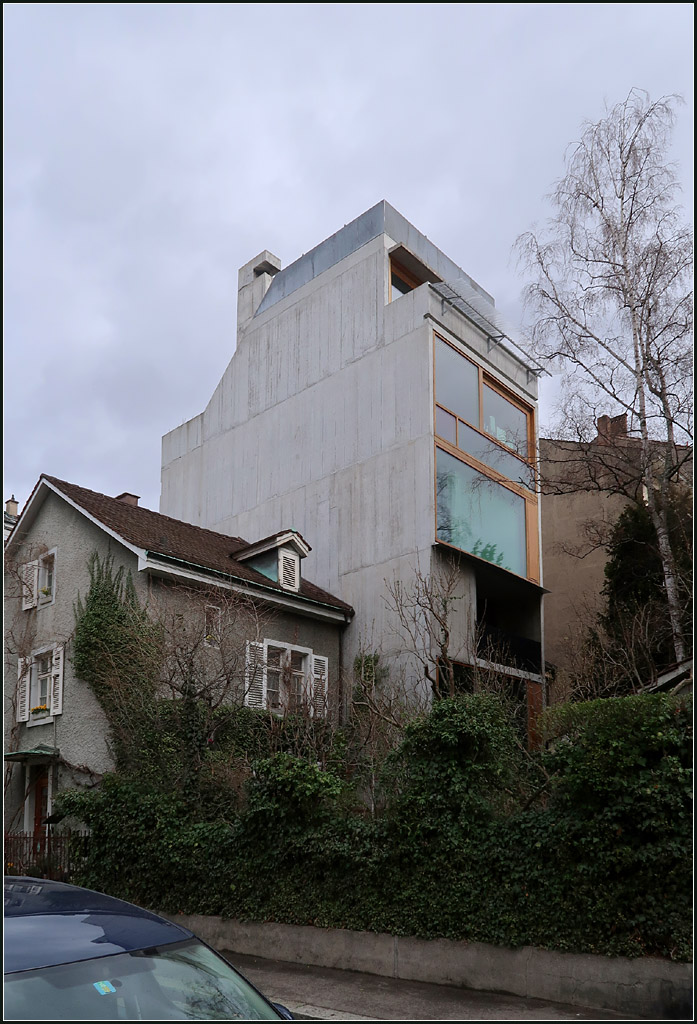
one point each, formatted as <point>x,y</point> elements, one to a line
<point>585,847</point>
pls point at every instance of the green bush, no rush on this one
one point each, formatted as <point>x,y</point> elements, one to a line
<point>599,862</point>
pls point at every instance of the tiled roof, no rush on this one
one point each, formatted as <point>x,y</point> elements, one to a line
<point>171,538</point>
<point>273,537</point>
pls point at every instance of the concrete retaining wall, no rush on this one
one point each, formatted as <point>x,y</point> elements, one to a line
<point>644,987</point>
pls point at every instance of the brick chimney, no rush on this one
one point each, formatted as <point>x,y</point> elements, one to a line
<point>128,499</point>
<point>610,428</point>
<point>11,507</point>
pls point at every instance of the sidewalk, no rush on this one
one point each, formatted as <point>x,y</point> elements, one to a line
<point>320,993</point>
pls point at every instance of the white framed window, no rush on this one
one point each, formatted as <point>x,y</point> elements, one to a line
<point>40,685</point>
<point>39,581</point>
<point>47,578</point>
<point>283,677</point>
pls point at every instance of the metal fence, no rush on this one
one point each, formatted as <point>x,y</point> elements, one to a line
<point>44,855</point>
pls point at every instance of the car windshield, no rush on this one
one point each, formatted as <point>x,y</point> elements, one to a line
<point>182,981</point>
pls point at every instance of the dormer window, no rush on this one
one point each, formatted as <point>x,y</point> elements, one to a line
<point>277,558</point>
<point>289,569</point>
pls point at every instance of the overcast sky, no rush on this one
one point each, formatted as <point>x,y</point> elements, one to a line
<point>152,149</point>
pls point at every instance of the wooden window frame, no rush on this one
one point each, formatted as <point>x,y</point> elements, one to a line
<point>532,543</point>
<point>403,274</point>
<point>28,691</point>
<point>315,673</point>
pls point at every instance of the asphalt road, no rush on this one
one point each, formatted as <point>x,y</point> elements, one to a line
<point>320,993</point>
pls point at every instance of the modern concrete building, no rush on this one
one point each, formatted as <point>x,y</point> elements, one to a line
<point>254,630</point>
<point>374,402</point>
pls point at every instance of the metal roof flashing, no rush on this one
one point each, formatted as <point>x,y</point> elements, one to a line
<point>379,219</point>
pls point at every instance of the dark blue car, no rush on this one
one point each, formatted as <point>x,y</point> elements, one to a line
<point>73,954</point>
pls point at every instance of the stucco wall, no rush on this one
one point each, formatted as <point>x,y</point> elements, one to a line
<point>574,570</point>
<point>81,731</point>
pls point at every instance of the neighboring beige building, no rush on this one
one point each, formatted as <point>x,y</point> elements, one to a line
<point>574,526</point>
<point>581,487</point>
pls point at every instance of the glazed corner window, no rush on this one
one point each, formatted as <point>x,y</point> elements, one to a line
<point>284,678</point>
<point>485,476</point>
<point>465,394</point>
<point>504,421</point>
<point>472,412</point>
<point>479,515</point>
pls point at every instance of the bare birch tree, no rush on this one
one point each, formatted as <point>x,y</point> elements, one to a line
<point>612,301</point>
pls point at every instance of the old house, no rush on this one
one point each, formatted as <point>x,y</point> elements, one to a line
<point>283,650</point>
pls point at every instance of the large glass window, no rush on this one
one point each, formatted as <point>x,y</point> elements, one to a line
<point>505,421</point>
<point>486,501</point>
<point>478,515</point>
<point>492,455</point>
<point>461,421</point>
<point>457,383</point>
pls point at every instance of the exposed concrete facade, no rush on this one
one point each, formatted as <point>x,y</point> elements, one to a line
<point>324,419</point>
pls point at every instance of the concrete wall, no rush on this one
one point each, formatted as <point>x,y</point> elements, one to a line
<point>323,422</point>
<point>645,987</point>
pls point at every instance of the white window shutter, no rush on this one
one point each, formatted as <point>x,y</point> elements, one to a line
<point>289,570</point>
<point>23,688</point>
<point>320,675</point>
<point>29,574</point>
<point>255,676</point>
<point>57,682</point>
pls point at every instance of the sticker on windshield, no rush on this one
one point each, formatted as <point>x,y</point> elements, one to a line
<point>104,987</point>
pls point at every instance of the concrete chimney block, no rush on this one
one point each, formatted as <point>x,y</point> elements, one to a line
<point>253,282</point>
